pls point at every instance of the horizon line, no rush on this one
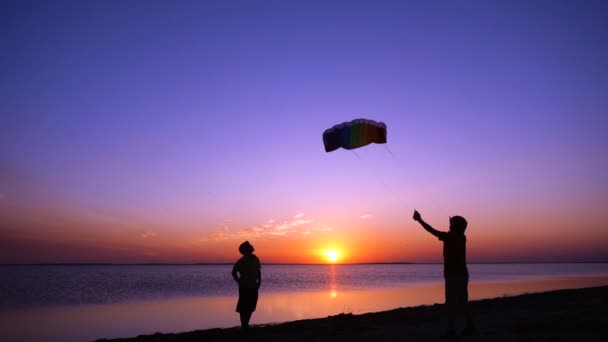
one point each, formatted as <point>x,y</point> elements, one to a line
<point>275,263</point>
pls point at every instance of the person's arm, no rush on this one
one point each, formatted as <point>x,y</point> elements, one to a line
<point>259,277</point>
<point>235,274</point>
<point>427,226</point>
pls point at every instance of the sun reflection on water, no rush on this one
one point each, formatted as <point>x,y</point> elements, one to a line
<point>333,286</point>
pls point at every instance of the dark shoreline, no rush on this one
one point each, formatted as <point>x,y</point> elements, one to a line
<point>560,315</point>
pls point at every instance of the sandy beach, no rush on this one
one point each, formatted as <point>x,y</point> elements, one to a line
<point>561,315</point>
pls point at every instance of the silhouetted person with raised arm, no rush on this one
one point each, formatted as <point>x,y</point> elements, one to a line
<point>247,273</point>
<point>455,272</point>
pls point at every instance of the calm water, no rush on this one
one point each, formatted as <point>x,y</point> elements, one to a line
<point>81,303</point>
<point>34,286</point>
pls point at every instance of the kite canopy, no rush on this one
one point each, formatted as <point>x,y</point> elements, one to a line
<point>354,134</point>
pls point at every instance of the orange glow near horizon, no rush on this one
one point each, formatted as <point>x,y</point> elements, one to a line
<point>60,240</point>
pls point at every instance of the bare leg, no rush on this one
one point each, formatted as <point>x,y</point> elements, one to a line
<point>245,317</point>
<point>468,317</point>
<point>470,327</point>
<point>451,318</point>
<point>451,330</point>
<point>450,306</point>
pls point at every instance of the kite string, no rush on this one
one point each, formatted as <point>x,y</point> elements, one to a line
<point>390,152</point>
<point>394,190</point>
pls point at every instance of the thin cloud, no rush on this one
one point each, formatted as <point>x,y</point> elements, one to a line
<point>222,233</point>
<point>325,228</point>
<point>148,234</point>
<point>299,225</point>
<point>365,216</point>
<point>282,232</point>
<point>300,222</point>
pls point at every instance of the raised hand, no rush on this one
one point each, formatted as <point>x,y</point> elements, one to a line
<point>417,216</point>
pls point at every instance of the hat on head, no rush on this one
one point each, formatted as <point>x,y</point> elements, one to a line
<point>246,248</point>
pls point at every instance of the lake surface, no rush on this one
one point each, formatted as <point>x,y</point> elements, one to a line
<point>86,302</point>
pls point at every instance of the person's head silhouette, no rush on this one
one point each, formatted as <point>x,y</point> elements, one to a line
<point>246,248</point>
<point>458,224</point>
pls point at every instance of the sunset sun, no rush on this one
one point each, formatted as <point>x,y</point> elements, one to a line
<point>332,256</point>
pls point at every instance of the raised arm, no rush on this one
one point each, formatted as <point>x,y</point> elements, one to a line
<point>427,226</point>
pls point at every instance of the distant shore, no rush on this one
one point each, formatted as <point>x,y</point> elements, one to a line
<point>303,264</point>
<point>561,315</point>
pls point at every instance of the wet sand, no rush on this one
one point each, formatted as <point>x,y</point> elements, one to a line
<point>561,315</point>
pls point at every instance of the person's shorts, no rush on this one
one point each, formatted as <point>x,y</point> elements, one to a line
<point>248,300</point>
<point>456,290</point>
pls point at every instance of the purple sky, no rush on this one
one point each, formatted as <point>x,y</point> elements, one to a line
<point>189,117</point>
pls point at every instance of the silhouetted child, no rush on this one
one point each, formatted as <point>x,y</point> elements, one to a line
<point>455,271</point>
<point>247,273</point>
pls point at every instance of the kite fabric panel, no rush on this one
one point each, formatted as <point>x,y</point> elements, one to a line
<point>354,134</point>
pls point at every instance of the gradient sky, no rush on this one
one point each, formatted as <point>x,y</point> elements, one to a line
<point>171,131</point>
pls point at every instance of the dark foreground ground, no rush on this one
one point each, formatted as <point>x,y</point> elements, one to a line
<point>563,315</point>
